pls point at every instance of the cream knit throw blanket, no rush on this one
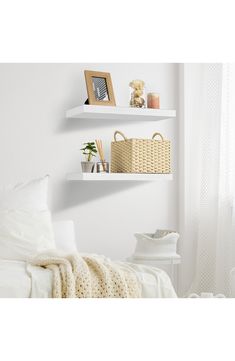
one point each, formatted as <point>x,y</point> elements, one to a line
<point>88,276</point>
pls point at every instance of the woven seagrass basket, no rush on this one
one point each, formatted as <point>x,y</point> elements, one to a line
<point>140,155</point>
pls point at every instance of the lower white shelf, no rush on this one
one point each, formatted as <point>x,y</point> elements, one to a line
<point>117,177</point>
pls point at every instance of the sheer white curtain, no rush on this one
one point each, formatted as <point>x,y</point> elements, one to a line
<point>207,198</point>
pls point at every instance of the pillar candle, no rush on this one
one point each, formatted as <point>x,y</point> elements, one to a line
<point>153,100</point>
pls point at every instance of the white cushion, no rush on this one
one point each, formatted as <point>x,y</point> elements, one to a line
<point>65,236</point>
<point>25,220</point>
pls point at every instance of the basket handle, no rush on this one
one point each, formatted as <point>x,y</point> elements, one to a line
<point>118,132</point>
<point>154,135</point>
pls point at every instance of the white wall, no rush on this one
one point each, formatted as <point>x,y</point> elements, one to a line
<point>36,139</point>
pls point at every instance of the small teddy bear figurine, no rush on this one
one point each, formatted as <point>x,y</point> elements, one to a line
<point>137,99</point>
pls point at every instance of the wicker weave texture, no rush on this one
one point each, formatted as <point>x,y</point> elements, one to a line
<point>140,155</point>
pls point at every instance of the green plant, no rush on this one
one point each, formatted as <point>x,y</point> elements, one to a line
<point>89,150</point>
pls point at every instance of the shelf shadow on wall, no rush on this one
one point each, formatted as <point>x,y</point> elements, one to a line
<point>78,125</point>
<point>75,193</point>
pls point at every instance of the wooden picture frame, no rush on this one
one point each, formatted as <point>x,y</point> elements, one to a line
<point>99,88</point>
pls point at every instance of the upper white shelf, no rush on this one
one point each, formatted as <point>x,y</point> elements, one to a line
<point>127,113</point>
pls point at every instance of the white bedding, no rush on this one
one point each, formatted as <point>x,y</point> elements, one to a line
<point>19,279</point>
<point>26,230</point>
<point>25,220</point>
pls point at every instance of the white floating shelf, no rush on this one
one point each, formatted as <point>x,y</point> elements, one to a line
<point>117,177</point>
<point>107,112</point>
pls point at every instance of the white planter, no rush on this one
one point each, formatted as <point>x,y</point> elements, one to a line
<point>149,246</point>
<point>88,167</point>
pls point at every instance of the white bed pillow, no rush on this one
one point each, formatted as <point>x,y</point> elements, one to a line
<point>65,236</point>
<point>25,220</point>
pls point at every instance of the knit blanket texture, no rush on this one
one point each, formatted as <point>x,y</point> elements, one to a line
<point>77,276</point>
